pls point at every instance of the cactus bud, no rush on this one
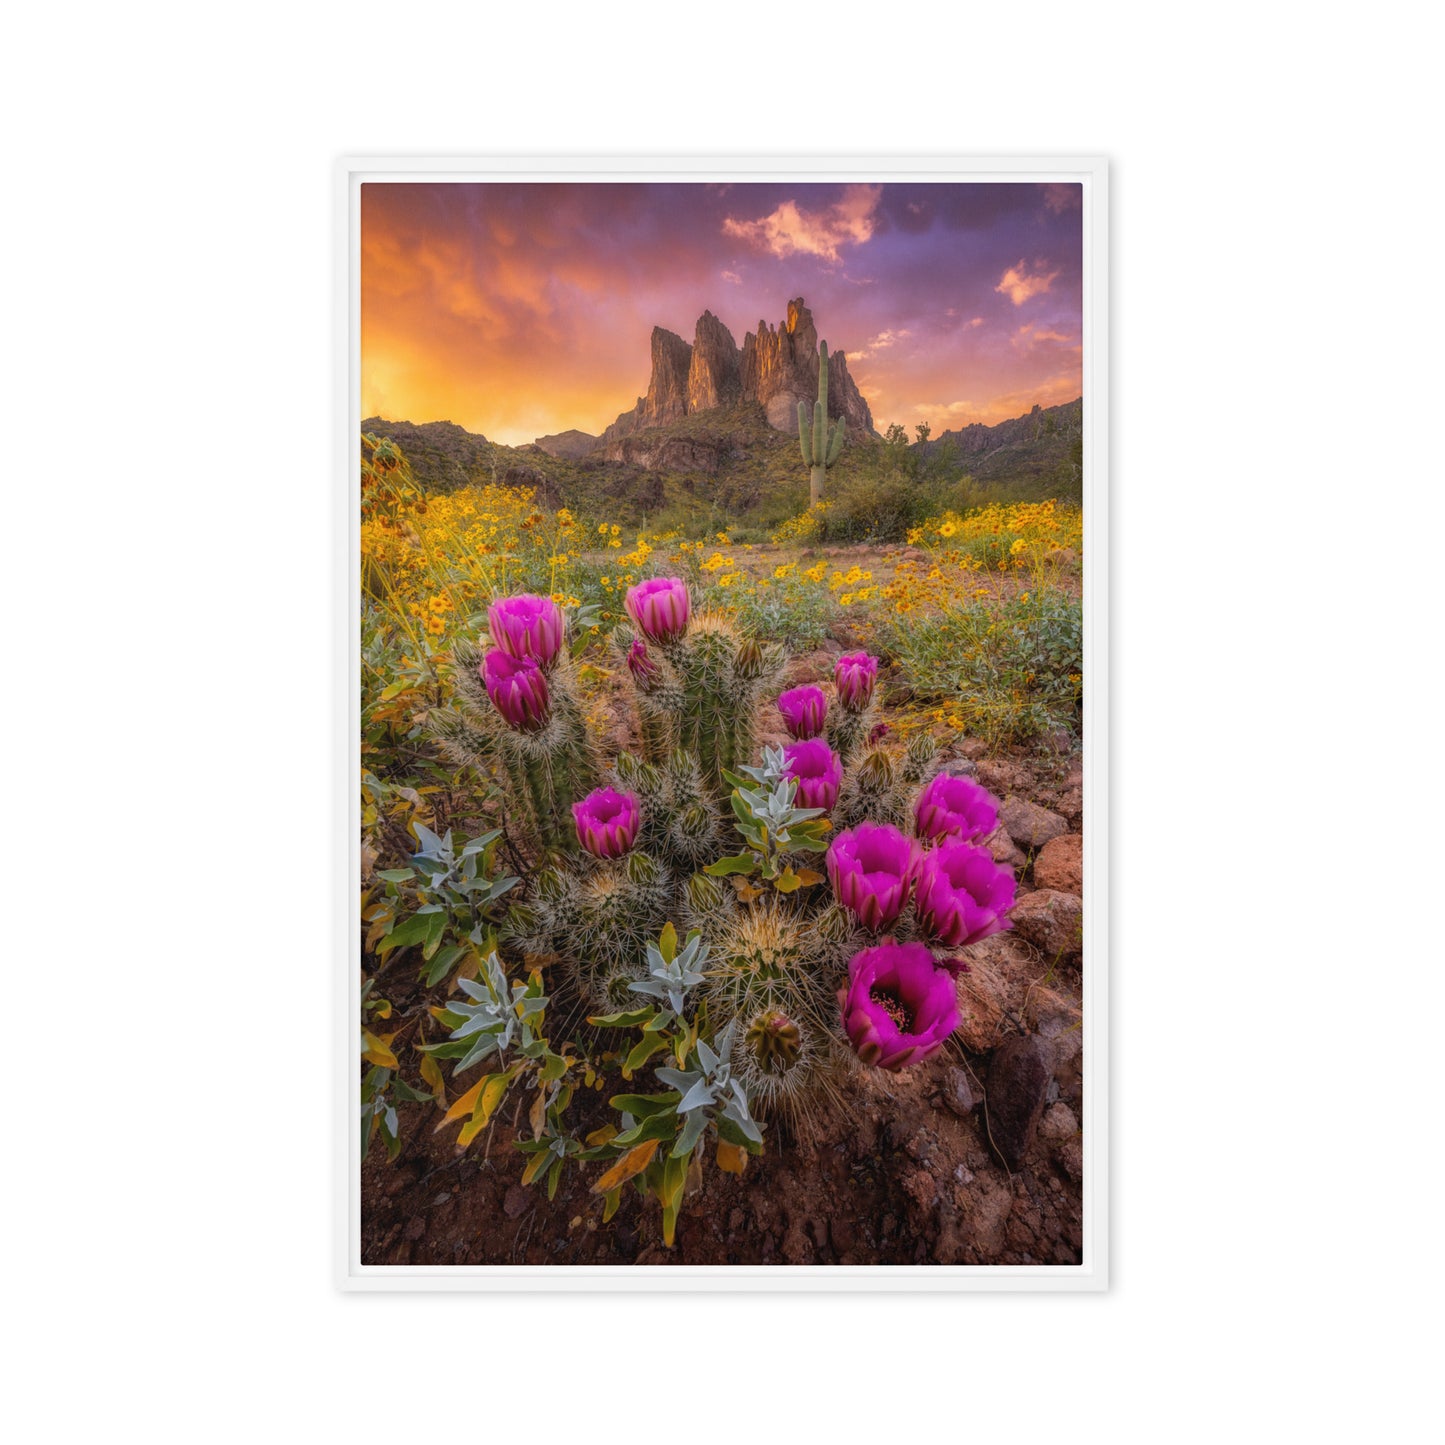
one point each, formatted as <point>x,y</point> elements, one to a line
<point>642,871</point>
<point>834,924</point>
<point>876,770</point>
<point>749,661</point>
<point>775,1041</point>
<point>704,893</point>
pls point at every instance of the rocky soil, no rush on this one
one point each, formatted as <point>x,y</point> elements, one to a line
<point>973,1157</point>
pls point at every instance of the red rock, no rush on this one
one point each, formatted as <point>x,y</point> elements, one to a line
<point>1051,921</point>
<point>1060,864</point>
<point>1029,825</point>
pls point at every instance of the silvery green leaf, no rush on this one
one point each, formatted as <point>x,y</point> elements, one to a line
<point>691,1132</point>
<point>677,1079</point>
<point>743,1121</point>
<point>431,845</point>
<point>676,998</point>
<point>708,1058</point>
<point>696,1097</point>
<point>725,1041</point>
<point>390,1121</point>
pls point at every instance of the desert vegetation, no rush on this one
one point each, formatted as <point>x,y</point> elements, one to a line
<point>696,861</point>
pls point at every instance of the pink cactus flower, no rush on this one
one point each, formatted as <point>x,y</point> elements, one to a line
<point>659,607</point>
<point>817,770</point>
<point>517,687</point>
<point>607,822</point>
<point>803,710</point>
<point>952,807</point>
<point>527,626</point>
<point>962,895</point>
<point>898,1006</point>
<point>871,868</point>
<point>643,669</point>
<point>854,674</point>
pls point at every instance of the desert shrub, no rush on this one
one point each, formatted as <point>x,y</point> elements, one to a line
<point>1006,671</point>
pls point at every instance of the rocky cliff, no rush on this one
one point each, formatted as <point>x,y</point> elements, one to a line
<point>777,367</point>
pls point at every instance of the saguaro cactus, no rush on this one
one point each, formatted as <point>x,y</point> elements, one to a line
<point>820,442</point>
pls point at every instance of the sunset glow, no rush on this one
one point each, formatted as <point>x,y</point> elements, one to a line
<point>517,310</point>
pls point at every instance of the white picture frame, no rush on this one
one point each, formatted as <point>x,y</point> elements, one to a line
<point>1092,174</point>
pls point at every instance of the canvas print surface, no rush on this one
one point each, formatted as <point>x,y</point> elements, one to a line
<point>721,723</point>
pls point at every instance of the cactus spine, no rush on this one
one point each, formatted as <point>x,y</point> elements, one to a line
<point>820,442</point>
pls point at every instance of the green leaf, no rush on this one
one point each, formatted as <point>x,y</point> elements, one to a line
<point>641,1052</point>
<point>738,863</point>
<point>443,963</point>
<point>659,1126</point>
<point>730,1132</point>
<point>627,1019</point>
<point>395,875</point>
<point>554,1174</point>
<point>788,882</point>
<point>643,1106</point>
<point>667,942</point>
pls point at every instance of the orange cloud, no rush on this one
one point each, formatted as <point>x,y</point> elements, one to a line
<point>789,230</point>
<point>1029,336</point>
<point>1019,283</point>
<point>1052,391</point>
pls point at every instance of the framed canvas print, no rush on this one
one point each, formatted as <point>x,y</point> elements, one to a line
<point>723,567</point>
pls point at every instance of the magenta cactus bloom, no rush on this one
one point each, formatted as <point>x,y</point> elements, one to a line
<point>962,894</point>
<point>527,626</point>
<point>660,608</point>
<point>818,772</point>
<point>517,687</point>
<point>952,807</point>
<point>643,669</point>
<point>607,822</point>
<point>899,1006</point>
<point>871,868</point>
<point>803,710</point>
<point>854,674</point>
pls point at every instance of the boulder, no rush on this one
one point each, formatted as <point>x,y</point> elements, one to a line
<point>1029,825</point>
<point>1051,921</point>
<point>1018,1085</point>
<point>1060,864</point>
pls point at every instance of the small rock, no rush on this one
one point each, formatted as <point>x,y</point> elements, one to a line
<point>1058,1124</point>
<point>1071,1159</point>
<point>1029,825</point>
<point>415,1229</point>
<point>960,768</point>
<point>516,1201</point>
<point>958,1094</point>
<point>918,1148</point>
<point>963,1175</point>
<point>1050,920</point>
<point>1060,864</point>
<point>1018,1080</point>
<point>972,747</point>
<point>442,1198</point>
<point>1002,848</point>
<point>920,1188</point>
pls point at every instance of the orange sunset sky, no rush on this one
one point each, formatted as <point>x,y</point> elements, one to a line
<point>517,309</point>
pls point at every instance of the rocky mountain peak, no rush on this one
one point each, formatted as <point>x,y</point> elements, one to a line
<point>775,366</point>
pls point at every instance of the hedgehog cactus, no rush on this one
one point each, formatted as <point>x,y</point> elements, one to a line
<point>821,443</point>
<point>659,835</point>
